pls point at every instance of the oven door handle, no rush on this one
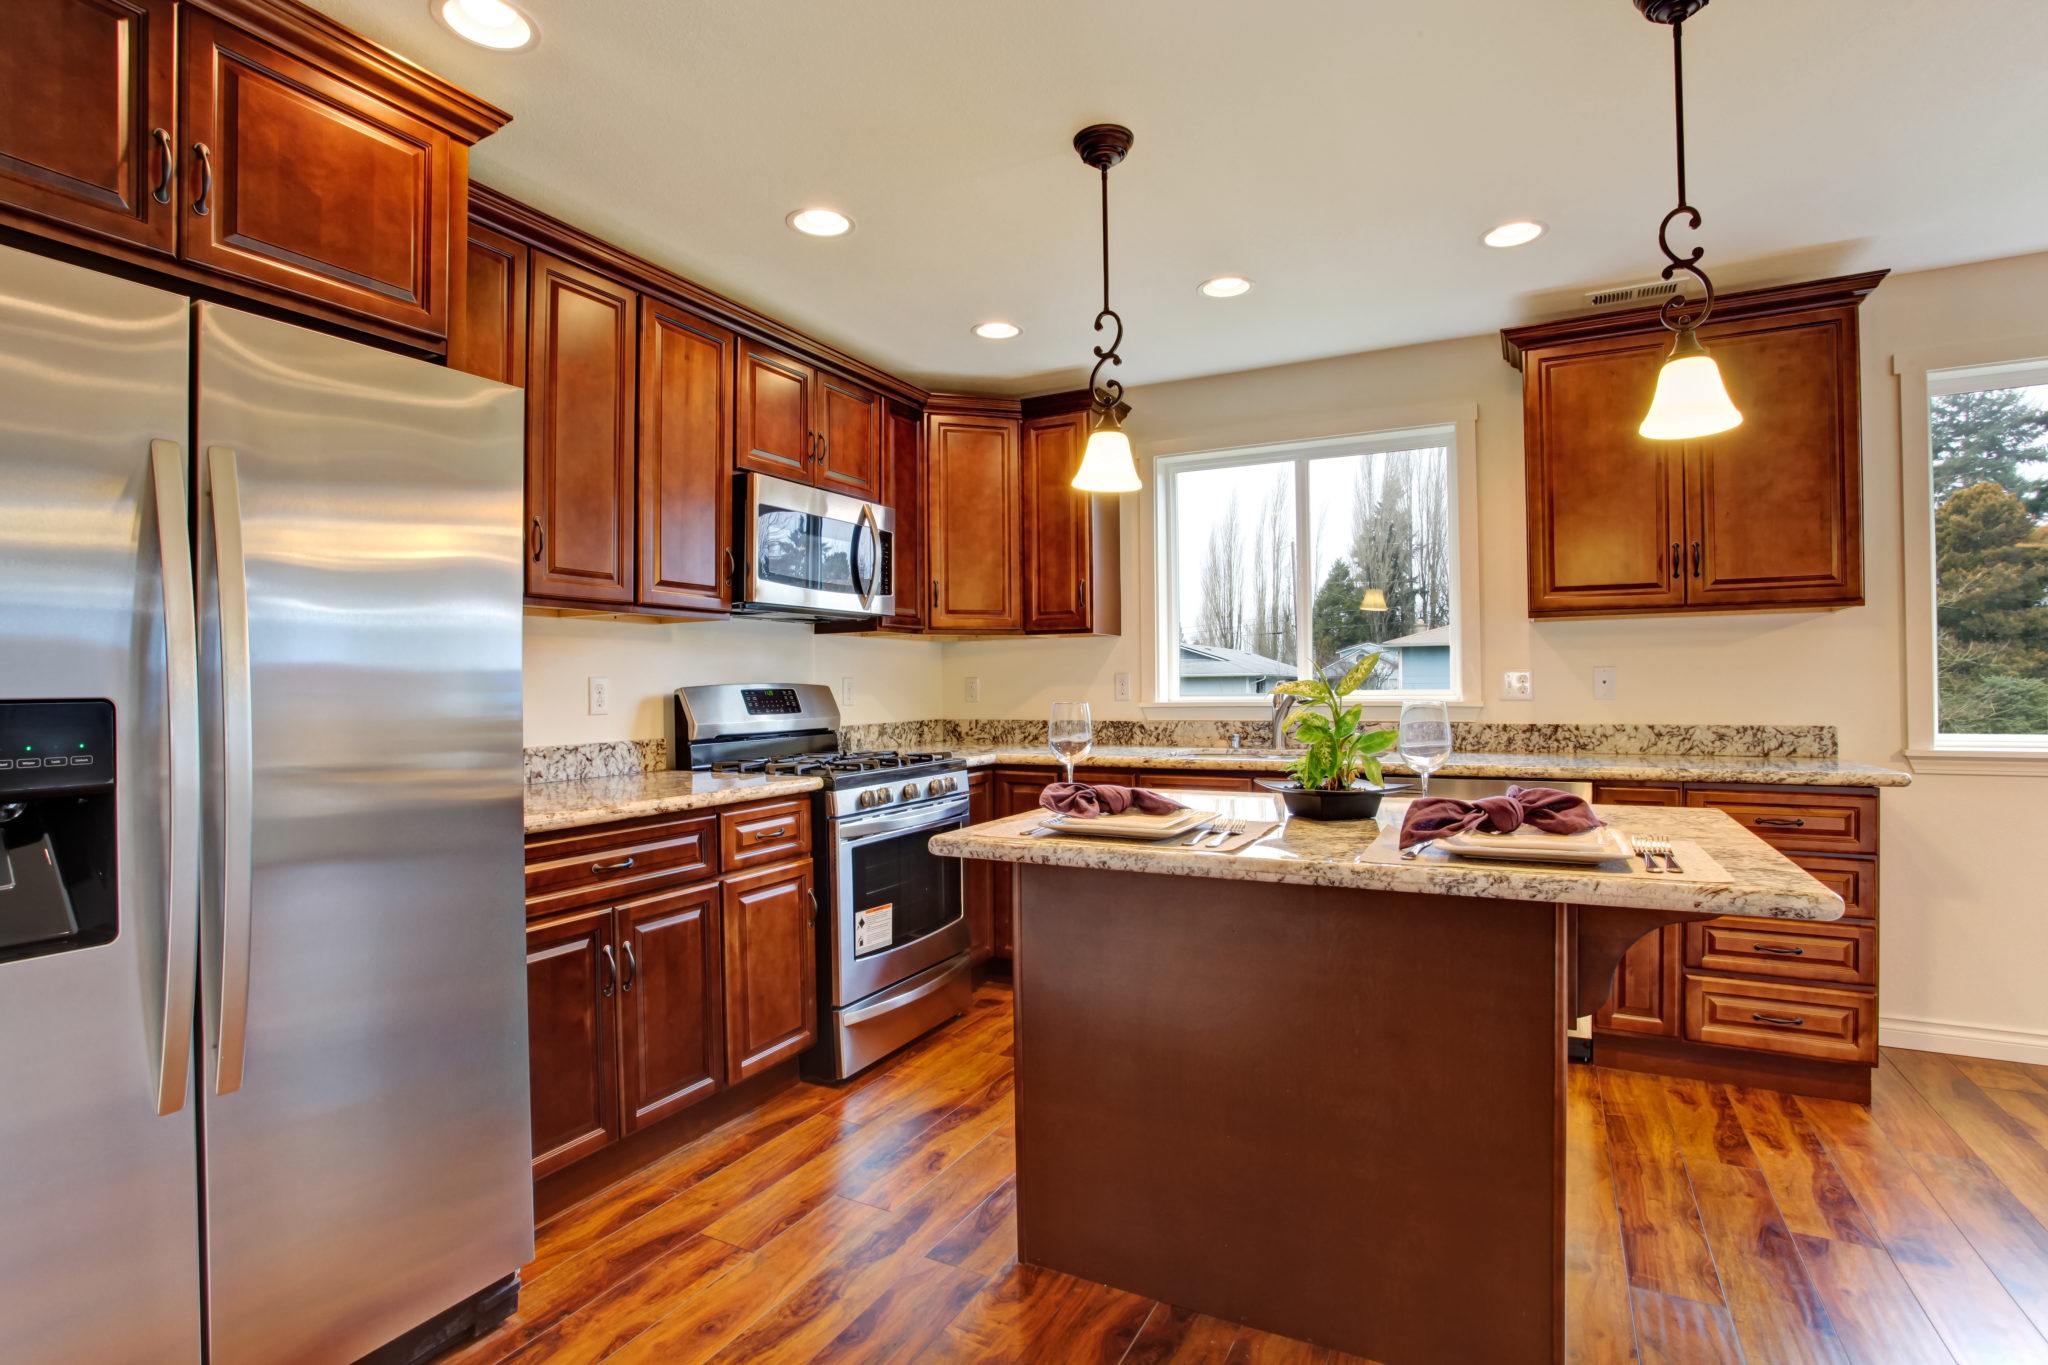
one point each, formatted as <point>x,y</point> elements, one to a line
<point>894,1002</point>
<point>862,829</point>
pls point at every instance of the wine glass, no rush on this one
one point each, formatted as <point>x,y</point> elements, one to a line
<point>1425,739</point>
<point>1071,733</point>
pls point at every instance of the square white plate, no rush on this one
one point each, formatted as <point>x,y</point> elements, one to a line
<point>1533,846</point>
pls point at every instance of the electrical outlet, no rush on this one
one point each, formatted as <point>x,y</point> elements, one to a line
<point>974,689</point>
<point>845,689</point>
<point>1123,687</point>
<point>1517,685</point>
<point>600,696</point>
<point>1603,683</point>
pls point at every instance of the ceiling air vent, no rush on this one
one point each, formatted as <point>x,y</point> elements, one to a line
<point>1632,293</point>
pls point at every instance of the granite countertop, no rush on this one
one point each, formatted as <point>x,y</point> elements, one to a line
<point>594,800</point>
<point>1789,772</point>
<point>1763,882</point>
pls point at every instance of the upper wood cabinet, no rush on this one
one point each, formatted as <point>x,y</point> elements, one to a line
<point>685,460</point>
<point>488,333</point>
<point>903,491</point>
<point>776,398</point>
<point>1766,516</point>
<point>580,414</point>
<point>849,439</point>
<point>88,123</point>
<point>1071,539</point>
<point>260,148</point>
<point>771,995</point>
<point>974,521</point>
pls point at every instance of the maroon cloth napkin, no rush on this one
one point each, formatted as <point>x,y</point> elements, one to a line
<point>1547,808</point>
<point>1089,799</point>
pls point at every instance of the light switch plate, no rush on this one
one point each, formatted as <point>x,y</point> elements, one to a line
<point>1517,685</point>
<point>600,696</point>
<point>846,689</point>
<point>1604,683</point>
<point>974,689</point>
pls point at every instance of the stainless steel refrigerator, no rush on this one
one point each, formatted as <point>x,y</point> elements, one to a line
<point>263,1087</point>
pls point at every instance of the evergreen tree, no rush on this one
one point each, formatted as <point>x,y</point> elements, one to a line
<point>1339,622</point>
<point>1991,608</point>
<point>1985,436</point>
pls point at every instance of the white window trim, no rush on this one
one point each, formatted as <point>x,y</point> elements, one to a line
<point>1927,749</point>
<point>1385,429</point>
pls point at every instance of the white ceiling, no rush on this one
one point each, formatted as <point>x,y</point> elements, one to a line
<point>1344,154</point>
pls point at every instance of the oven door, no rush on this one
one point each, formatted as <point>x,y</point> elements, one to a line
<point>810,552</point>
<point>895,904</point>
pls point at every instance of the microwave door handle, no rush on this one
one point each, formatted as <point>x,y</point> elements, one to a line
<point>873,532</point>
<point>231,580</point>
<point>181,724</point>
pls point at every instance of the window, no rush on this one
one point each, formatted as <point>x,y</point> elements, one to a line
<point>1976,485</point>
<point>1279,561</point>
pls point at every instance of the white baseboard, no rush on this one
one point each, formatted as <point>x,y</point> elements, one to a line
<point>1965,1040</point>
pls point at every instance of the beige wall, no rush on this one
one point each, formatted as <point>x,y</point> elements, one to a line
<point>1965,921</point>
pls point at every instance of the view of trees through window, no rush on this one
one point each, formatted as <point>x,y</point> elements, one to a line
<point>1377,560</point>
<point>1990,469</point>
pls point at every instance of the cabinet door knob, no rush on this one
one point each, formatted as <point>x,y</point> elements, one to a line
<point>167,159</point>
<point>1674,561</point>
<point>1696,559</point>
<point>611,973</point>
<point>632,966</point>
<point>202,203</point>
<point>539,539</point>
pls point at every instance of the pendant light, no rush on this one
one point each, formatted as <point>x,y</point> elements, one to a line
<point>1106,464</point>
<point>1375,599</point>
<point>1691,401</point>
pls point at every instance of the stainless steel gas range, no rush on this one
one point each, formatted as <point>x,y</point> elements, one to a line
<point>892,940</point>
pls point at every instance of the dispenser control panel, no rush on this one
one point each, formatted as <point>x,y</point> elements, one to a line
<point>55,746</point>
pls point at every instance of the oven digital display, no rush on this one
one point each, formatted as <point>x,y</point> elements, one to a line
<point>770,701</point>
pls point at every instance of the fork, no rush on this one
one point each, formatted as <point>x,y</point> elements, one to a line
<point>1646,849</point>
<point>1662,848</point>
<point>1226,829</point>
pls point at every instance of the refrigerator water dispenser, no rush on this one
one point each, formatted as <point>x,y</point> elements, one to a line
<point>57,883</point>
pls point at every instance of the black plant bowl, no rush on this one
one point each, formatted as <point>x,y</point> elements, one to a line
<point>1359,801</point>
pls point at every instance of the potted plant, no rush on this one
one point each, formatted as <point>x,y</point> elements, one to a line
<point>1338,748</point>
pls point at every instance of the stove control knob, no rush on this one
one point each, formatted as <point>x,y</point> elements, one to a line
<point>938,786</point>
<point>909,792</point>
<point>864,800</point>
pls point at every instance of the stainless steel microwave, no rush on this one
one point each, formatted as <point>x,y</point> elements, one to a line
<point>812,554</point>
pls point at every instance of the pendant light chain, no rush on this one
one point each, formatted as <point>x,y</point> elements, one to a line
<point>1678,312</point>
<point>1107,392</point>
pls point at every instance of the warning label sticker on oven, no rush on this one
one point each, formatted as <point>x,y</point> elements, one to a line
<point>874,928</point>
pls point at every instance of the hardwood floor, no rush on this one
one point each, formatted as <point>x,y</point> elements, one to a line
<point>1707,1223</point>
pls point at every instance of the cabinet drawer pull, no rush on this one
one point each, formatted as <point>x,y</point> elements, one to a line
<point>1779,822</point>
<point>161,191</point>
<point>813,897</point>
<point>632,966</point>
<point>768,835</point>
<point>202,204</point>
<point>539,539</point>
<point>611,973</point>
<point>1780,949</point>
<point>620,866</point>
<point>1785,1020</point>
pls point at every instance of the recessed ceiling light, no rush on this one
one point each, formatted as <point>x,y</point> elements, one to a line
<point>996,331</point>
<point>1519,233</point>
<point>821,222</point>
<point>1226,286</point>
<point>487,23</point>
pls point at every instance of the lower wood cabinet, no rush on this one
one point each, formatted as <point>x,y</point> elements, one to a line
<point>977,875</point>
<point>673,1032</point>
<point>771,993</point>
<point>572,1037</point>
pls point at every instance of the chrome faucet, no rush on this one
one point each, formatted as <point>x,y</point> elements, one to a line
<point>1283,704</point>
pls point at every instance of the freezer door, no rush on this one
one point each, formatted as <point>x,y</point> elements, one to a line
<point>364,1080</point>
<point>98,1183</point>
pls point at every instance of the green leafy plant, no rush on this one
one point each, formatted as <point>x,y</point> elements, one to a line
<point>1337,745</point>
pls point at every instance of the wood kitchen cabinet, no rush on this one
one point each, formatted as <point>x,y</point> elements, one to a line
<point>801,423</point>
<point>684,438</point>
<point>88,130</point>
<point>977,876</point>
<point>1767,516</point>
<point>1071,539</point>
<point>672,1031</point>
<point>849,439</point>
<point>974,523</point>
<point>903,455</point>
<point>572,1037</point>
<point>1647,987</point>
<point>580,413</point>
<point>771,992</point>
<point>487,336</point>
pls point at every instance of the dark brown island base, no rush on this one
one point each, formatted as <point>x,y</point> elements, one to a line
<point>1317,1089</point>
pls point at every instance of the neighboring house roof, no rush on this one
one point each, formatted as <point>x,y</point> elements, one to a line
<point>1436,636</point>
<point>1214,661</point>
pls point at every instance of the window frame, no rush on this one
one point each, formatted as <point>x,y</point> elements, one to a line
<point>1923,376</point>
<point>1457,430</point>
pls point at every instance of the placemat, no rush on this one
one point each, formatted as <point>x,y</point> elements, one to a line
<point>1699,865</point>
<point>1253,831</point>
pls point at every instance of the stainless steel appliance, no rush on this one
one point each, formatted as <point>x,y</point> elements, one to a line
<point>811,554</point>
<point>265,790</point>
<point>892,951</point>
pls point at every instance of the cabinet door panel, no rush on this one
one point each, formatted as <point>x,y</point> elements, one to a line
<point>669,1002</point>
<point>774,413</point>
<point>488,337</point>
<point>974,524</point>
<point>1057,523</point>
<point>572,1037</point>
<point>1776,505</point>
<point>1646,992</point>
<point>685,440</point>
<point>579,436</point>
<point>850,431</point>
<point>89,86</point>
<point>1606,507</point>
<point>319,188</point>
<point>771,996</point>
<point>903,447</point>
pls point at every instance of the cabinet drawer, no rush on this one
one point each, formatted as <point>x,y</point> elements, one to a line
<point>763,834</point>
<point>612,862</point>
<point>1196,782</point>
<point>1843,953</point>
<point>1811,823</point>
<point>1823,1023</point>
<point>1853,879</point>
<point>1638,794</point>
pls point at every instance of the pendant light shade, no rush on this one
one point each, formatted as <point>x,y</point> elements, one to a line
<point>1375,599</point>
<point>1107,465</point>
<point>1691,401</point>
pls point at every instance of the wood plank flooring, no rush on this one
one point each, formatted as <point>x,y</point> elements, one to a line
<point>1706,1223</point>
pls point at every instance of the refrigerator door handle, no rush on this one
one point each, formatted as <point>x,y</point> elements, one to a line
<point>181,723</point>
<point>231,580</point>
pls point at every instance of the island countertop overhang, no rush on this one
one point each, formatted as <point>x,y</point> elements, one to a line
<point>1763,882</point>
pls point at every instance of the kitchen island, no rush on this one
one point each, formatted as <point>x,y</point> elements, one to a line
<point>1317,1089</point>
